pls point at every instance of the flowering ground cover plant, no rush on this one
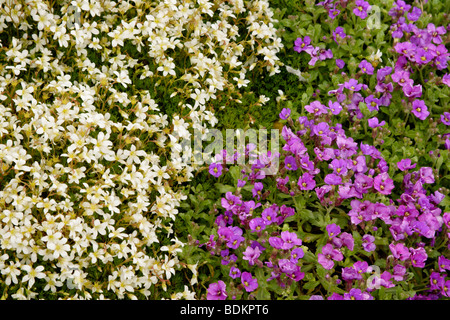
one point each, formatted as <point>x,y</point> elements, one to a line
<point>95,97</point>
<point>359,207</point>
<point>97,200</point>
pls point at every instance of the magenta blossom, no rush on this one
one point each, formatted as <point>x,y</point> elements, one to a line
<point>445,118</point>
<point>251,255</point>
<point>333,230</point>
<point>361,8</point>
<point>420,110</point>
<point>215,169</point>
<point>306,182</point>
<point>368,243</point>
<point>250,283</point>
<point>412,91</point>
<point>217,291</point>
<point>284,114</point>
<point>328,256</point>
<point>302,44</point>
<point>366,67</point>
<point>405,164</point>
<point>353,85</point>
<point>383,184</point>
<point>374,122</point>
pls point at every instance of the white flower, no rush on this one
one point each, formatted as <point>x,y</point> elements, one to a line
<point>32,273</point>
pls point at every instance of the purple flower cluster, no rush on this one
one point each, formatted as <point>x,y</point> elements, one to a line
<point>320,161</point>
<point>352,170</point>
<point>237,243</point>
<point>421,47</point>
<point>316,53</point>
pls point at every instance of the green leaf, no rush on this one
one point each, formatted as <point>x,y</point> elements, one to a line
<point>311,285</point>
<point>235,172</point>
<point>224,188</point>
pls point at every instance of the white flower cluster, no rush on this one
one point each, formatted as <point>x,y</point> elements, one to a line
<point>88,193</point>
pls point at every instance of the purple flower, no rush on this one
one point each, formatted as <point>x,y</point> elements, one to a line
<point>383,184</point>
<point>349,273</point>
<point>321,129</point>
<point>314,53</point>
<point>366,67</point>
<point>363,183</point>
<point>285,113</point>
<point>306,182</point>
<point>334,107</point>
<point>361,8</point>
<point>302,45</point>
<point>234,272</point>
<point>426,175</point>
<point>420,110</point>
<point>422,56</point>
<point>333,230</point>
<point>250,283</point>
<point>372,103</point>
<point>358,164</point>
<point>235,241</point>
<point>383,73</point>
<point>400,251</point>
<point>436,281</point>
<point>418,257</point>
<point>276,242</point>
<point>340,63</point>
<point>338,34</point>
<point>360,268</point>
<point>257,224</point>
<point>347,240</point>
<point>332,179</point>
<point>316,108</point>
<point>256,191</point>
<point>415,14</point>
<point>444,264</point>
<point>296,254</point>
<point>290,163</point>
<point>446,79</point>
<point>215,169</point>
<point>412,91</point>
<point>285,212</point>
<point>287,266</point>
<point>230,201</point>
<point>401,77</point>
<point>325,54</point>
<point>217,291</point>
<point>354,294</point>
<point>269,216</point>
<point>251,254</point>
<point>405,164</point>
<point>339,166</point>
<point>290,240</point>
<point>435,32</point>
<point>406,49</point>
<point>399,272</point>
<point>353,85</point>
<point>374,122</point>
<point>445,118</point>
<point>368,243</point>
<point>328,256</point>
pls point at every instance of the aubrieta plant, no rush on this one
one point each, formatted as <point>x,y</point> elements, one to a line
<point>347,216</point>
<point>263,241</point>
